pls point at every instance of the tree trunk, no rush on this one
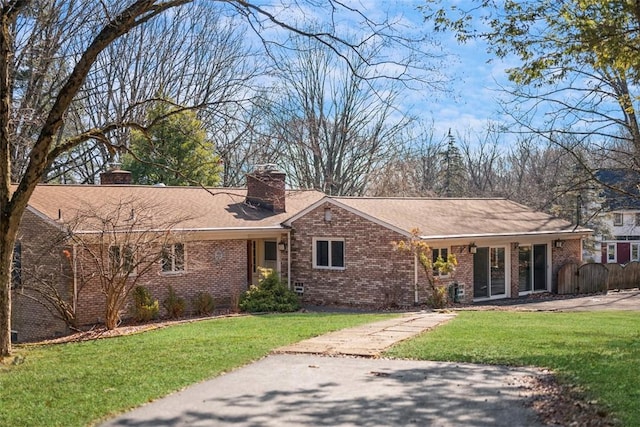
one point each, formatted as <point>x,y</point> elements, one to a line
<point>6,258</point>
<point>9,219</point>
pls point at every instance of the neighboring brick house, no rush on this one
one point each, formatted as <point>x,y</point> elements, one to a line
<point>332,250</point>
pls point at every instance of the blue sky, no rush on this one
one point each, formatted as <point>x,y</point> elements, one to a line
<point>475,78</point>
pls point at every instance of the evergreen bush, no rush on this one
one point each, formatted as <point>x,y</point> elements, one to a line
<point>174,304</point>
<point>271,295</point>
<point>145,308</point>
<point>203,304</point>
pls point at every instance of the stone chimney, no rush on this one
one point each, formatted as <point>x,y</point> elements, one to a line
<point>265,188</point>
<point>115,176</point>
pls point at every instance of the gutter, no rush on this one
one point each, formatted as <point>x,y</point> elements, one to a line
<point>527,234</point>
<point>162,230</point>
<point>75,277</point>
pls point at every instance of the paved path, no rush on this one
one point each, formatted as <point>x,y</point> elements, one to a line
<point>310,390</point>
<point>371,339</point>
<point>612,300</point>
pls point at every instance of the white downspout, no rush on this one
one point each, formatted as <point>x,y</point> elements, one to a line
<point>415,279</point>
<point>289,259</point>
<point>75,278</point>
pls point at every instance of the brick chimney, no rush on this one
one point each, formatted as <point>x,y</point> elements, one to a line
<point>115,176</point>
<point>265,188</point>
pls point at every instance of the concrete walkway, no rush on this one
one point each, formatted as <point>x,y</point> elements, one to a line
<point>371,339</point>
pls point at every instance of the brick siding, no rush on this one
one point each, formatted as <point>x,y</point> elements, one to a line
<point>217,267</point>
<point>374,274</point>
<point>44,265</point>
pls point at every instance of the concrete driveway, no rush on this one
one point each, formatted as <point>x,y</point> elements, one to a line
<point>305,390</point>
<point>612,300</point>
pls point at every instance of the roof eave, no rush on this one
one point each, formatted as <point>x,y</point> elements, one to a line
<point>580,231</point>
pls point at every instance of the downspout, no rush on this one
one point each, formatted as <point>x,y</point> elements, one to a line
<point>289,259</point>
<point>415,279</point>
<point>75,278</point>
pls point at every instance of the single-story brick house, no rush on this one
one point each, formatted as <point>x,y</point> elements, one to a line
<point>331,250</point>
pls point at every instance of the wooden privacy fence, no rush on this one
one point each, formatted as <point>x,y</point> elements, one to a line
<point>590,278</point>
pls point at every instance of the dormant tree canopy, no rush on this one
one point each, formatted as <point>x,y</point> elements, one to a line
<point>51,52</point>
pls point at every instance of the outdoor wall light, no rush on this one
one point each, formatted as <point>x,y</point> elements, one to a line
<point>473,248</point>
<point>515,246</point>
<point>558,243</point>
<point>327,215</point>
<point>282,246</point>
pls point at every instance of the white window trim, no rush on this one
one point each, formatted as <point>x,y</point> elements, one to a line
<point>637,246</point>
<point>121,258</point>
<point>439,249</point>
<point>609,252</point>
<point>173,270</point>
<point>328,239</point>
<point>618,215</point>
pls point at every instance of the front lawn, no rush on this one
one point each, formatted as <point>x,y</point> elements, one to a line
<point>598,351</point>
<point>79,383</point>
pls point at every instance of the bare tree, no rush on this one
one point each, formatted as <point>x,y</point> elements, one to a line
<point>86,30</point>
<point>575,84</point>
<point>331,124</point>
<point>483,162</point>
<point>210,71</point>
<point>415,170</point>
<point>119,244</point>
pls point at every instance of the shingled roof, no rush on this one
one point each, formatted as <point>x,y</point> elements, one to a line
<point>190,208</point>
<point>450,218</point>
<point>226,209</point>
<point>620,188</point>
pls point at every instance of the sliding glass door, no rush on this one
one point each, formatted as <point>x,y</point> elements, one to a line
<point>489,272</point>
<point>532,268</point>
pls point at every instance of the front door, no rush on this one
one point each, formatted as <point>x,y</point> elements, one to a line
<point>263,254</point>
<point>489,272</point>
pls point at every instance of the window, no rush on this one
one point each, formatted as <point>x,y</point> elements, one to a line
<point>121,259</point>
<point>618,219</point>
<point>635,252</point>
<point>16,266</point>
<point>439,253</point>
<point>328,253</point>
<point>270,251</point>
<point>611,252</point>
<point>173,258</point>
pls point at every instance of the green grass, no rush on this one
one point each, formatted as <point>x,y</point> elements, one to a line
<point>600,352</point>
<point>79,383</point>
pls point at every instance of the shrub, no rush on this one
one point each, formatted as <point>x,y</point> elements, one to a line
<point>203,304</point>
<point>145,308</point>
<point>439,297</point>
<point>270,295</point>
<point>174,304</point>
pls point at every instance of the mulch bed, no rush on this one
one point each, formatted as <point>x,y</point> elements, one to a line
<point>563,405</point>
